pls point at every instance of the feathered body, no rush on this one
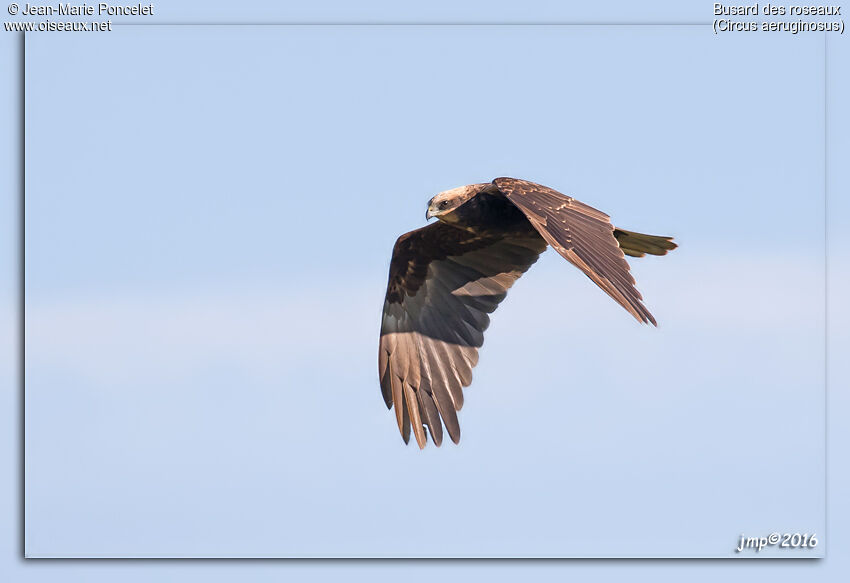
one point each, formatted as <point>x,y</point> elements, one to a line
<point>490,212</point>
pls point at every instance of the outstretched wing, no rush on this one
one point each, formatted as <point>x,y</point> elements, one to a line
<point>443,283</point>
<point>583,235</point>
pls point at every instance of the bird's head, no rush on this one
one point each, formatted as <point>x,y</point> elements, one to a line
<point>445,203</point>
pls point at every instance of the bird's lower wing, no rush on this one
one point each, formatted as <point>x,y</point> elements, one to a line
<point>443,284</point>
<point>581,234</point>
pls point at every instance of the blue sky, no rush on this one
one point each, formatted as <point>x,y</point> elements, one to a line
<point>175,344</point>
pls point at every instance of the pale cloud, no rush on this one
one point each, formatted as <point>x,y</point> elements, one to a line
<point>265,329</point>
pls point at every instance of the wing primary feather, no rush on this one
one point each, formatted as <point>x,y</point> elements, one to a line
<point>387,389</point>
<point>405,423</point>
<point>432,416</point>
<point>396,384</point>
<point>413,412</point>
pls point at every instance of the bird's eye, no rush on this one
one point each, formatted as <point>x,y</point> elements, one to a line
<point>444,204</point>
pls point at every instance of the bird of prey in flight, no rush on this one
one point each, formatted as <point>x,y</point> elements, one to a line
<point>447,277</point>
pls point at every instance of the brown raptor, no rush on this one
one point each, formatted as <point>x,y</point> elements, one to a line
<point>447,277</point>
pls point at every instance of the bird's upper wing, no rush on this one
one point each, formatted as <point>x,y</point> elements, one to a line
<point>582,235</point>
<point>443,282</point>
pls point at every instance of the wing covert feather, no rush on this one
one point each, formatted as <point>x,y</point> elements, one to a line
<point>581,234</point>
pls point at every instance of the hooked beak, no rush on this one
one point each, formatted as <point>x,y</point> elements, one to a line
<point>428,214</point>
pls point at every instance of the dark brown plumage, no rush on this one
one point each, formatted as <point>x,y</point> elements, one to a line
<point>447,277</point>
